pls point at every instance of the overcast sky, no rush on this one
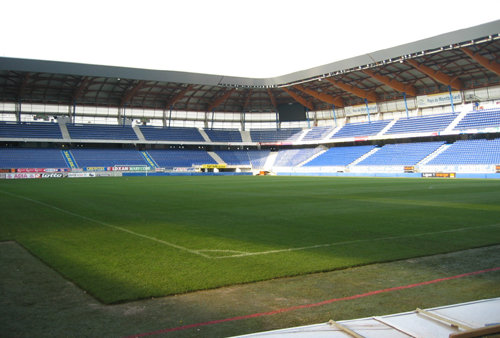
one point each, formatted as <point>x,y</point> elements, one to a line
<point>258,38</point>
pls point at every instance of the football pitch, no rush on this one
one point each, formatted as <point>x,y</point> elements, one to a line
<point>128,238</point>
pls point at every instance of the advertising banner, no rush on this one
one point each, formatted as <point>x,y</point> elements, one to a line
<point>442,99</point>
<point>451,175</point>
<point>149,159</point>
<point>139,168</point>
<point>184,169</point>
<point>498,168</point>
<point>118,168</point>
<point>95,168</point>
<point>212,166</point>
<point>486,168</point>
<point>361,109</point>
<point>41,170</point>
<point>34,175</point>
<point>68,157</point>
<point>52,175</point>
<point>480,130</point>
<point>22,175</point>
<point>73,175</point>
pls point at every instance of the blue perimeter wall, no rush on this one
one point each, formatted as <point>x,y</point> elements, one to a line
<point>495,176</point>
<point>458,175</point>
<point>187,173</point>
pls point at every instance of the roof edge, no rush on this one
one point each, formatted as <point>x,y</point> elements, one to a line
<point>80,69</point>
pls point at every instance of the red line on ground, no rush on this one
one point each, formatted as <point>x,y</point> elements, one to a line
<point>270,313</point>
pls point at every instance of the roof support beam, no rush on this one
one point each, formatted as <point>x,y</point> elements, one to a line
<point>490,65</point>
<point>273,100</point>
<point>215,103</point>
<point>437,75</point>
<point>247,99</point>
<point>78,92</point>
<point>174,99</point>
<point>301,100</point>
<point>337,101</point>
<point>371,96</point>
<point>130,94</point>
<point>24,83</point>
<point>394,84</point>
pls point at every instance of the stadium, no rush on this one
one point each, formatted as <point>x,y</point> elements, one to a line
<point>175,203</point>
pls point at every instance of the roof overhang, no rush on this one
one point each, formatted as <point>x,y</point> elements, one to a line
<point>470,35</point>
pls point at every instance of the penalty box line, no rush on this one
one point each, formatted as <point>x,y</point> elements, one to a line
<point>196,252</point>
<point>238,254</point>
<point>348,242</point>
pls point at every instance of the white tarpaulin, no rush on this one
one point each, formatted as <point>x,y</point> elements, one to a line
<point>437,322</point>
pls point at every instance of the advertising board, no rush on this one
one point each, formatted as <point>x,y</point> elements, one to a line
<point>450,175</point>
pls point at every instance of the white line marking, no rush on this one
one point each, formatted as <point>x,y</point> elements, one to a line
<point>239,252</point>
<point>196,252</point>
<point>243,253</point>
<point>429,203</point>
<point>351,242</point>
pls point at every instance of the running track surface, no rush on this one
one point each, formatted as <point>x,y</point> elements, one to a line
<point>270,313</point>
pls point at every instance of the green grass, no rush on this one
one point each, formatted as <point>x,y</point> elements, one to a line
<point>130,238</point>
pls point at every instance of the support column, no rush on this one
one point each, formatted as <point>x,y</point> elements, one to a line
<point>308,120</point>
<point>124,113</point>
<point>170,117</point>
<point>18,111</point>
<point>451,100</point>
<point>334,114</point>
<point>277,120</point>
<point>406,105</point>
<point>119,116</point>
<point>205,121</point>
<point>367,110</point>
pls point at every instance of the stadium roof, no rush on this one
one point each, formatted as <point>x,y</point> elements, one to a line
<point>462,59</point>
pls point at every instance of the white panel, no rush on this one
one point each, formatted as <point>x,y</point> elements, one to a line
<point>228,117</point>
<point>179,114</point>
<point>157,114</point>
<point>156,123</point>
<point>5,106</point>
<point>8,117</point>
<point>382,107</point>
<point>296,124</point>
<point>391,106</point>
<point>227,125</point>
<point>324,114</point>
<point>35,108</point>
<point>322,123</point>
<point>260,125</point>
<point>388,116</point>
<point>494,93</point>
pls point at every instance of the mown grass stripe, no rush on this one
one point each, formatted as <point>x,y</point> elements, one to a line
<point>350,242</point>
<point>108,225</point>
